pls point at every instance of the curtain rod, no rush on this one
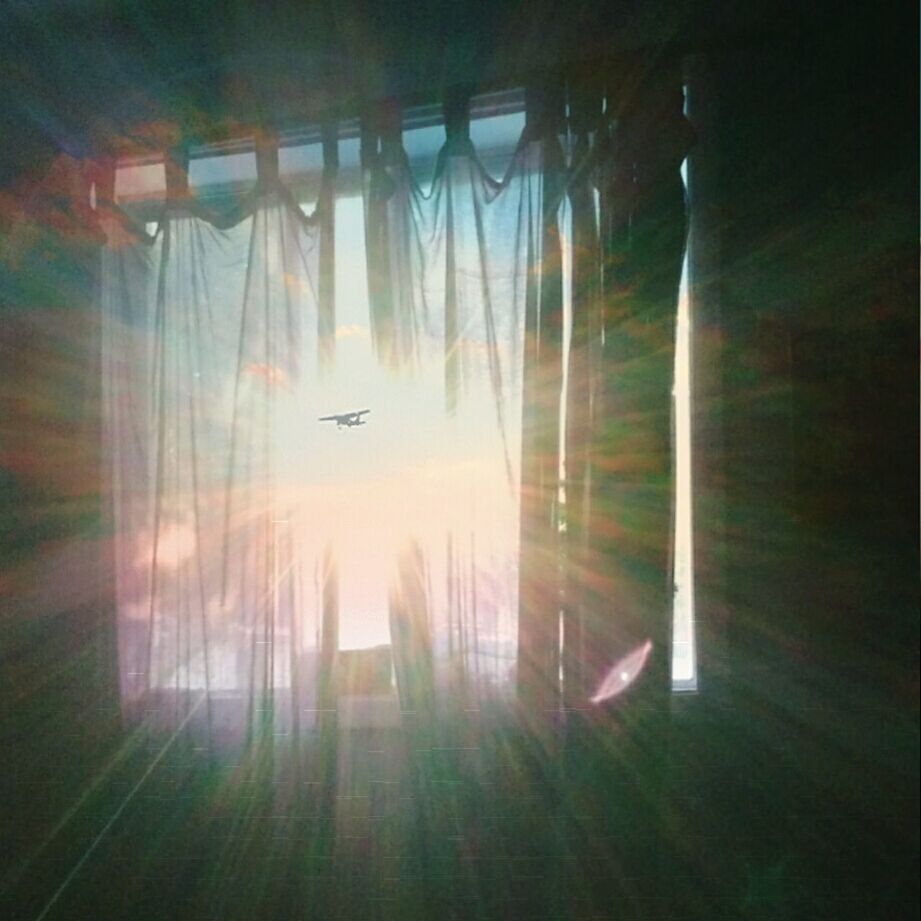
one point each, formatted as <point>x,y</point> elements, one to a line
<point>419,110</point>
<point>485,105</point>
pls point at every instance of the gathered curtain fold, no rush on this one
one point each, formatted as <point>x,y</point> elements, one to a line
<point>582,392</point>
<point>540,573</point>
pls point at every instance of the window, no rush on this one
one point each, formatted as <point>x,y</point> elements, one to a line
<point>684,647</point>
<point>364,481</point>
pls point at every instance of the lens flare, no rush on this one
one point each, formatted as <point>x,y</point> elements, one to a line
<point>622,674</point>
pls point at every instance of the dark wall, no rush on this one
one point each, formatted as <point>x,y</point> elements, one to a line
<point>59,713</point>
<point>81,73</point>
<point>802,764</point>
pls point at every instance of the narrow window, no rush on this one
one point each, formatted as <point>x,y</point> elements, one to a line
<point>684,650</point>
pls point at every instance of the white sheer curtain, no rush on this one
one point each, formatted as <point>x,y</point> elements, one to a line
<point>443,515</point>
<point>471,278</point>
<point>227,493</point>
<point>209,350</point>
<point>451,268</point>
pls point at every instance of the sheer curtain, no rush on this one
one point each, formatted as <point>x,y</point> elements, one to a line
<point>455,274</point>
<point>470,279</point>
<point>210,347</point>
<point>236,512</point>
<point>642,234</point>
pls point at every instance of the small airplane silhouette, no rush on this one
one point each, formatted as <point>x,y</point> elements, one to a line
<point>347,419</point>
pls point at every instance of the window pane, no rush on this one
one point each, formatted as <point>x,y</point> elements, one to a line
<point>222,174</point>
<point>684,652</point>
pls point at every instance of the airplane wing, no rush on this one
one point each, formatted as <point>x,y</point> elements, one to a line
<point>343,418</point>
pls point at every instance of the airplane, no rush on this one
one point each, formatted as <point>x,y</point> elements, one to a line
<point>349,420</point>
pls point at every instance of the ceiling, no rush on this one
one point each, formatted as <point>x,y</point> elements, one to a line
<point>75,71</point>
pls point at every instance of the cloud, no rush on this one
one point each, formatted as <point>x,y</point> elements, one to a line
<point>350,330</point>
